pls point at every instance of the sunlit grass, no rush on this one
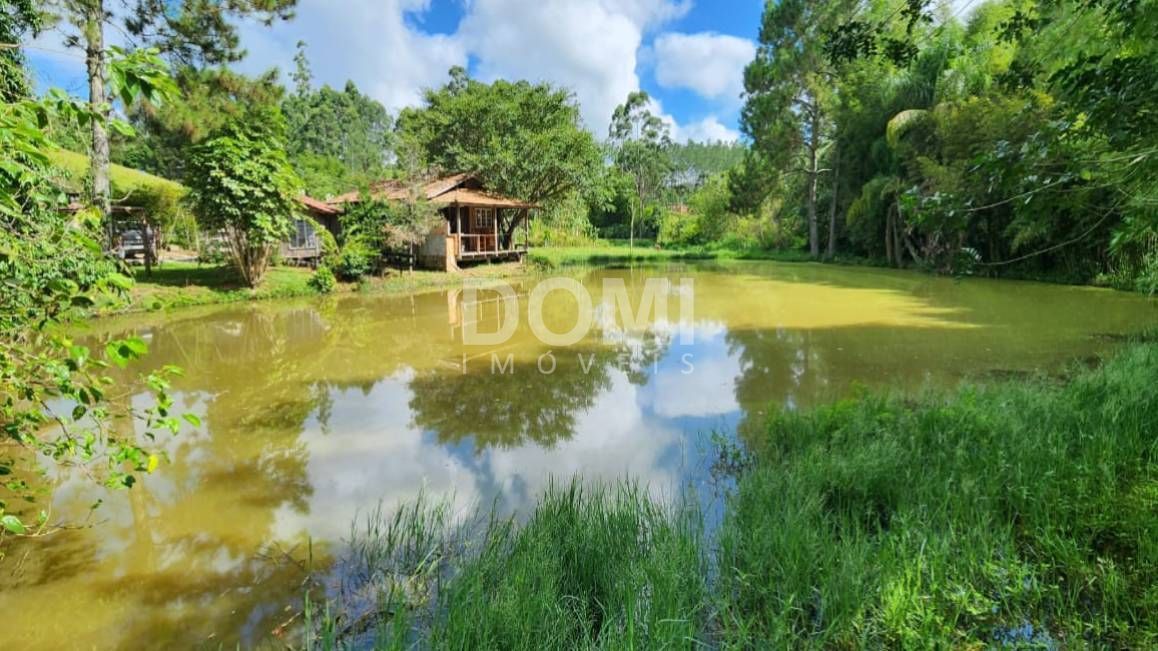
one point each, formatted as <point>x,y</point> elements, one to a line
<point>611,252</point>
<point>619,251</point>
<point>124,180</point>
<point>187,284</point>
<point>1015,512</point>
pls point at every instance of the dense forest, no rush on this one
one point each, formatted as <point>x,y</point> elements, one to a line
<point>1016,137</point>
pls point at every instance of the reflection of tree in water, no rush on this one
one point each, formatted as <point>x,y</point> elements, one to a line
<point>509,409</point>
<point>263,392</point>
<point>778,366</point>
<point>792,368</point>
<point>636,355</point>
<point>256,375</point>
<point>524,405</point>
<point>193,529</point>
<point>780,369</point>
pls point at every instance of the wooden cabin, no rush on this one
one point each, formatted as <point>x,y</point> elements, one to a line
<point>477,225</point>
<point>303,246</point>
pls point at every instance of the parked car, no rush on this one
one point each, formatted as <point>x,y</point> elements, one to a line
<point>131,245</point>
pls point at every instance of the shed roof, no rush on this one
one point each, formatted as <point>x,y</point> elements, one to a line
<point>320,207</point>
<point>457,189</point>
<point>469,197</point>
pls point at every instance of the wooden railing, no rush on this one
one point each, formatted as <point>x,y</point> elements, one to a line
<point>480,244</point>
<point>477,243</point>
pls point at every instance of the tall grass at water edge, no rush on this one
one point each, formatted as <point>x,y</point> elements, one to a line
<point>1009,515</point>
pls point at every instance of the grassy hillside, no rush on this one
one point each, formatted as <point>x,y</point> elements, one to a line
<point>126,182</point>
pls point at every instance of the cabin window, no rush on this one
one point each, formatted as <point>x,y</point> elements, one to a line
<point>484,219</point>
<point>303,235</point>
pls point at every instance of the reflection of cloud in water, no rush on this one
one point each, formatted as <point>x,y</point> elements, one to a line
<point>377,455</point>
<point>705,385</point>
<point>612,440</point>
<point>380,456</point>
<point>74,493</point>
<point>184,555</point>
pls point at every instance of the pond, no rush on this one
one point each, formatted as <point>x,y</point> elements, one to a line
<point>315,411</point>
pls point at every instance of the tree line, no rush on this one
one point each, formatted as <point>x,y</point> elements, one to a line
<point>1006,136</point>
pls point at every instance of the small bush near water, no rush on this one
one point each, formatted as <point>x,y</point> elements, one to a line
<point>323,281</point>
<point>1008,515</point>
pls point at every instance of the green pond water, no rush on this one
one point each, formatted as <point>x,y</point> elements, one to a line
<point>315,411</point>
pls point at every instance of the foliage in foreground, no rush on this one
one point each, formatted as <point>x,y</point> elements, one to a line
<point>601,567</point>
<point>1014,514</point>
<point>55,406</point>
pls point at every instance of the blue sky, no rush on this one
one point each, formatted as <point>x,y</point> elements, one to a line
<point>688,54</point>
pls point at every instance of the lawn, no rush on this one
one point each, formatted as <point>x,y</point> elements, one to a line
<point>618,251</point>
<point>184,284</point>
<point>187,284</point>
<point>612,252</point>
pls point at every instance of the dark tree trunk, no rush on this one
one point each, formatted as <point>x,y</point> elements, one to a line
<point>813,179</point>
<point>889,237</point>
<point>512,226</point>
<point>832,208</point>
<point>98,100</point>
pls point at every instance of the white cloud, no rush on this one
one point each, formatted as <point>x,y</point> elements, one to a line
<point>709,129</point>
<point>588,46</point>
<point>710,64</point>
<point>367,41</point>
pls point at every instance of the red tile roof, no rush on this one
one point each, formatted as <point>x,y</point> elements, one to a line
<point>317,206</point>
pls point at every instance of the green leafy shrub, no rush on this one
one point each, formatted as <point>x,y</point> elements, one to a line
<point>738,241</point>
<point>54,409</point>
<point>679,229</point>
<point>323,280</point>
<point>355,261</point>
<point>1148,277</point>
<point>563,223</point>
<point>242,185</point>
<point>330,248</point>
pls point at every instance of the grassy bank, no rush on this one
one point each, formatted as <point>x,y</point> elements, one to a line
<point>612,252</point>
<point>1008,514</point>
<point>188,284</point>
<point>618,252</point>
<point>1022,513</point>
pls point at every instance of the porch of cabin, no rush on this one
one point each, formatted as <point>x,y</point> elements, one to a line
<point>486,232</point>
